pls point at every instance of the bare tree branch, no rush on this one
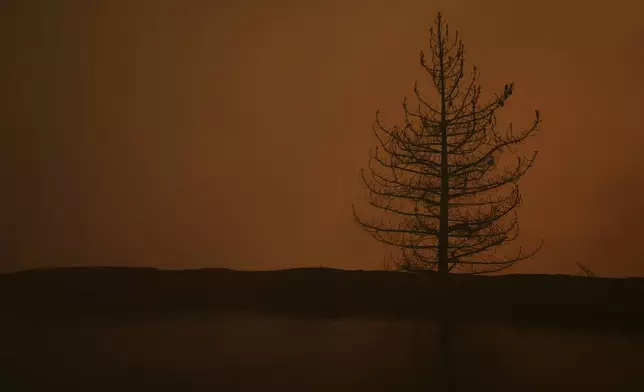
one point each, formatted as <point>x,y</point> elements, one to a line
<point>586,269</point>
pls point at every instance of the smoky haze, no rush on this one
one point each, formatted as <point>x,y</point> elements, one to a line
<point>189,134</point>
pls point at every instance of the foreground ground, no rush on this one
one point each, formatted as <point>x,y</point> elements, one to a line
<point>316,330</point>
<point>250,352</point>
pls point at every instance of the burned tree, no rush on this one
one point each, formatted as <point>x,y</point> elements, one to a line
<point>440,173</point>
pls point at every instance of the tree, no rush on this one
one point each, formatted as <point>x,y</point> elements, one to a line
<point>440,174</point>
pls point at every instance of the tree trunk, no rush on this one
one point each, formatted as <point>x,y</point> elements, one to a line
<point>443,238</point>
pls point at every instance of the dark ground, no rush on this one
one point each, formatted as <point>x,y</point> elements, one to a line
<point>92,329</point>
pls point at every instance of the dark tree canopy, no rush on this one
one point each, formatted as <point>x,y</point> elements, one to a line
<point>439,173</point>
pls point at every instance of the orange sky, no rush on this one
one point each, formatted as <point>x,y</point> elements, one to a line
<point>182,134</point>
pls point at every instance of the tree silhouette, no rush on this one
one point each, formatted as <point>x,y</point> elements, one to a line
<point>440,174</point>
